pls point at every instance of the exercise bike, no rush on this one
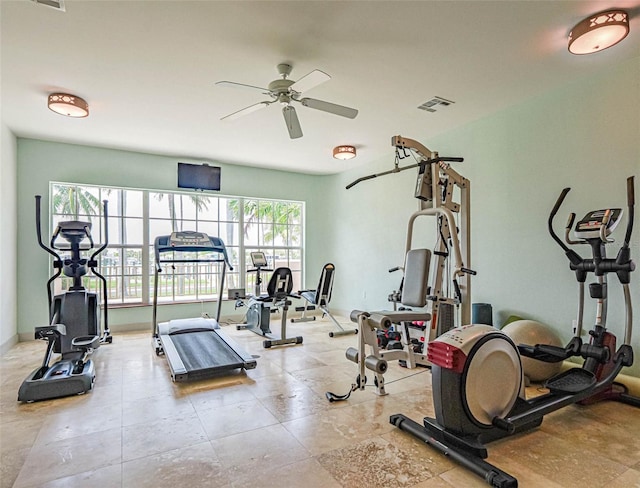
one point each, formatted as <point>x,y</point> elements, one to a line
<point>74,330</point>
<point>477,377</point>
<point>279,292</point>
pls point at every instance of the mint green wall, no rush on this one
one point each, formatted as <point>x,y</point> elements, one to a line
<point>8,249</point>
<point>40,162</point>
<point>585,135</point>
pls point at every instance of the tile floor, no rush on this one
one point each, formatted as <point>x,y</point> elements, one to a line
<point>273,427</point>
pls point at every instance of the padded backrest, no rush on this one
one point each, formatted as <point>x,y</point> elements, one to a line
<point>416,277</point>
<point>325,285</point>
<point>281,283</point>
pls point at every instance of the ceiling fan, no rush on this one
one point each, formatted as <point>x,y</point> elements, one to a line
<point>286,91</point>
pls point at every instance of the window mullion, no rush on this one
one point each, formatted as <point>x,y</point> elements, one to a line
<point>146,261</point>
<point>241,251</point>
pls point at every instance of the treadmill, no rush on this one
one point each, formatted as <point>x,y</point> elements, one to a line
<point>195,348</point>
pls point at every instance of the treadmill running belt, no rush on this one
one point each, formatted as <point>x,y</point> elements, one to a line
<point>205,350</point>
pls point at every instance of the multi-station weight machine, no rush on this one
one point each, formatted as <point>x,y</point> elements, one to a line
<point>437,187</point>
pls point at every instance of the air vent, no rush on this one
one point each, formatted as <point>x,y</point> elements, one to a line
<point>56,4</point>
<point>434,104</point>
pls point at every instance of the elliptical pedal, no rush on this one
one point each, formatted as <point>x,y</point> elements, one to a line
<point>571,381</point>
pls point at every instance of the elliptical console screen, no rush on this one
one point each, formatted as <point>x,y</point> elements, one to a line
<point>589,226</point>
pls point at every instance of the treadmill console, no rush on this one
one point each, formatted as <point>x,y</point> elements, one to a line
<point>589,227</point>
<point>189,239</point>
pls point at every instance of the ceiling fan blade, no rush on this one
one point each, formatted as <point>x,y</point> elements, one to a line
<point>233,84</point>
<point>246,110</point>
<point>293,124</point>
<point>330,107</point>
<point>310,80</point>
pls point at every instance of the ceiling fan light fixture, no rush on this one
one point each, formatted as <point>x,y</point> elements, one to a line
<point>344,152</point>
<point>69,105</point>
<point>598,32</point>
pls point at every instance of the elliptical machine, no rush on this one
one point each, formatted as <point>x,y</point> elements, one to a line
<point>478,388</point>
<point>74,330</point>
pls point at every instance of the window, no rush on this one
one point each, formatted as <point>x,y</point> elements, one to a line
<point>276,229</point>
<point>136,217</point>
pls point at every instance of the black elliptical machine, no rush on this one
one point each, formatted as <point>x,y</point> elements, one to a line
<point>74,329</point>
<point>477,377</point>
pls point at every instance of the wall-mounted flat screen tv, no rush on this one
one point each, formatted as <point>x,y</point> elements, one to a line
<point>198,176</point>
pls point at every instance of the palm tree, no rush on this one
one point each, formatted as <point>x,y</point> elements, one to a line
<point>201,203</point>
<point>68,200</point>
<point>281,214</point>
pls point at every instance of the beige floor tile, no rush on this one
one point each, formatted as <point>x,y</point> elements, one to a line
<point>144,439</point>
<point>560,459</point>
<point>296,403</point>
<point>436,482</point>
<point>307,473</point>
<point>600,428</point>
<point>337,428</point>
<point>291,358</point>
<point>11,462</point>
<point>460,477</point>
<point>107,477</point>
<point>149,409</point>
<point>628,479</point>
<point>279,384</point>
<point>264,368</point>
<point>205,399</point>
<point>235,418</point>
<point>254,451</point>
<point>323,378</point>
<point>374,462</point>
<point>47,462</point>
<point>78,421</point>
<point>136,389</point>
<point>21,433</point>
<point>435,462</point>
<point>196,466</point>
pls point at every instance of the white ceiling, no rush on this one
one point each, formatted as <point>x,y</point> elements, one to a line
<point>148,68</point>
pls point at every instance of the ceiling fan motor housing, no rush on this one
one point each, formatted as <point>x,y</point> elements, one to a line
<point>280,86</point>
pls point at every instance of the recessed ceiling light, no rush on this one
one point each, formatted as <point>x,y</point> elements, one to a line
<point>598,32</point>
<point>69,105</point>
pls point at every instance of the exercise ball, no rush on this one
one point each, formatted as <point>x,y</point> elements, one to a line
<point>531,333</point>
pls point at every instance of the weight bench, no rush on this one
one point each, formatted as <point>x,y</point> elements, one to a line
<point>414,294</point>
<point>319,298</point>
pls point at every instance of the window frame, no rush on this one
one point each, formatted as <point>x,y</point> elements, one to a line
<point>239,277</point>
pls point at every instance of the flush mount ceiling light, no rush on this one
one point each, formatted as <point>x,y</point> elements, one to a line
<point>69,105</point>
<point>344,152</point>
<point>598,32</point>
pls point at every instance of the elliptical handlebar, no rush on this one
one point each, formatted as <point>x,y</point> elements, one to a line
<point>631,200</point>
<point>552,215</point>
<point>105,214</point>
<point>39,230</point>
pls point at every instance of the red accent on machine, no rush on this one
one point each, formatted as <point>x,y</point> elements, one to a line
<point>446,356</point>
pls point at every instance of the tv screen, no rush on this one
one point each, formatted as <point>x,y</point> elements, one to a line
<point>198,176</point>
